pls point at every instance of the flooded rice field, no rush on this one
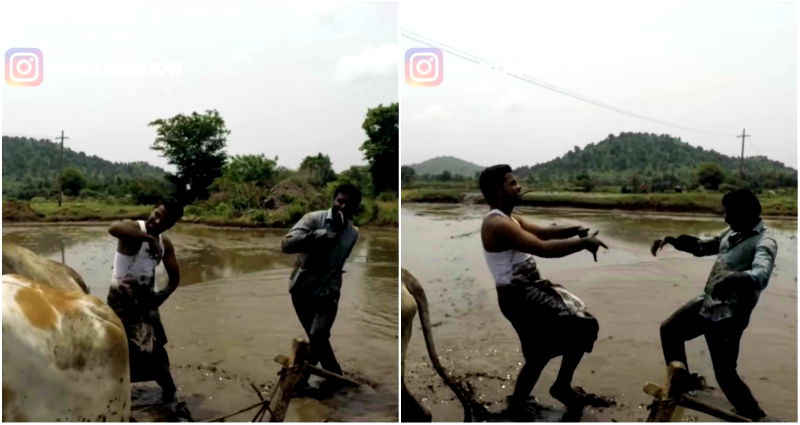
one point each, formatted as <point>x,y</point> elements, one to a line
<point>628,290</point>
<point>232,314</point>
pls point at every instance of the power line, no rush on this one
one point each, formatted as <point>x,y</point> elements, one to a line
<point>526,78</point>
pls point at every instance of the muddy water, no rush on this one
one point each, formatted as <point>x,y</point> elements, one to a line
<point>629,291</point>
<point>232,314</point>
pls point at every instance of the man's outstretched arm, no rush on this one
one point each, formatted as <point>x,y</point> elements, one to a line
<point>691,244</point>
<point>554,231</point>
<point>524,241</point>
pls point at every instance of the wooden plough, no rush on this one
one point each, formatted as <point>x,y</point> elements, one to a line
<point>670,400</point>
<point>293,377</point>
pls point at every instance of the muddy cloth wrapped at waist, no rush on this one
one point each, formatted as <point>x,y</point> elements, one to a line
<point>141,320</point>
<point>549,319</point>
<point>554,297</point>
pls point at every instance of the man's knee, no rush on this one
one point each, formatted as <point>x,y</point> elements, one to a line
<point>585,329</point>
<point>319,334</point>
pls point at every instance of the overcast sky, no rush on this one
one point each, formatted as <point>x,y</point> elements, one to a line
<point>289,80</point>
<point>715,66</point>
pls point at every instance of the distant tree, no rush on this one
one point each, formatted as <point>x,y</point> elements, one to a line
<point>407,174</point>
<point>358,176</point>
<point>709,175</point>
<point>319,169</point>
<point>636,182</point>
<point>380,149</point>
<point>72,181</point>
<point>255,169</point>
<point>148,191</point>
<point>584,182</point>
<point>195,145</point>
<point>445,176</point>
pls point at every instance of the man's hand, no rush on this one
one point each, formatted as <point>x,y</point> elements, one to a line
<point>593,244</point>
<point>126,287</point>
<point>337,223</point>
<point>731,283</point>
<point>658,244</point>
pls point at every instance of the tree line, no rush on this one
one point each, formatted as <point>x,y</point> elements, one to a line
<point>196,145</point>
<point>640,162</point>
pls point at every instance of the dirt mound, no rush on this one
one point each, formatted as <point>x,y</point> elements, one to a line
<point>292,191</point>
<point>19,211</point>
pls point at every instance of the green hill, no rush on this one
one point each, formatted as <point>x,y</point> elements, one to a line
<point>30,168</point>
<point>440,164</point>
<point>646,157</point>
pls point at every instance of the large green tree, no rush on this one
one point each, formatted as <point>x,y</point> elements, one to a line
<point>319,169</point>
<point>195,144</point>
<point>407,174</point>
<point>255,169</point>
<point>356,175</point>
<point>380,149</point>
<point>710,175</point>
<point>72,181</point>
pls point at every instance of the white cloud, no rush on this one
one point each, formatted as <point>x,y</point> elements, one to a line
<point>433,113</point>
<point>370,63</point>
<point>511,103</point>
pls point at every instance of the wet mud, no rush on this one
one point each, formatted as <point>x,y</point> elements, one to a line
<point>628,290</point>
<point>232,314</point>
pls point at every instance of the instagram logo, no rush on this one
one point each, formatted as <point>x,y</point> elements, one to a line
<point>23,67</point>
<point>424,66</point>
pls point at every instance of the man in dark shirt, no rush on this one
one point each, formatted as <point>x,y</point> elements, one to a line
<point>745,257</point>
<point>323,241</point>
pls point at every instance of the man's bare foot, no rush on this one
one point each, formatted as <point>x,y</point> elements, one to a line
<point>695,382</point>
<point>523,409</point>
<point>168,396</point>
<point>577,397</point>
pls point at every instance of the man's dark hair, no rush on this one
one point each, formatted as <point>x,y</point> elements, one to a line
<point>491,179</point>
<point>349,190</point>
<point>743,203</point>
<point>174,208</point>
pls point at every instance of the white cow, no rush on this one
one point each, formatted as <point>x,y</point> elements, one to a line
<point>65,354</point>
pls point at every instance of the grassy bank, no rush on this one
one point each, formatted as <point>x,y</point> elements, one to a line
<point>375,213</point>
<point>784,204</point>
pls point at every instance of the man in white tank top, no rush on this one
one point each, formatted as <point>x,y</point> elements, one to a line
<point>549,320</point>
<point>132,295</point>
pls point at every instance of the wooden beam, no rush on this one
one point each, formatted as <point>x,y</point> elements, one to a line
<point>665,407</point>
<point>701,406</point>
<point>293,375</point>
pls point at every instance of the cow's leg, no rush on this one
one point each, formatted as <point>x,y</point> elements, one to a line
<point>412,410</point>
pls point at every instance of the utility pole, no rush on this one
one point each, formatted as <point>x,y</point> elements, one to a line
<point>741,159</point>
<point>61,169</point>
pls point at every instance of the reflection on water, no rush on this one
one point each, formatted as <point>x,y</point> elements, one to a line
<point>203,253</point>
